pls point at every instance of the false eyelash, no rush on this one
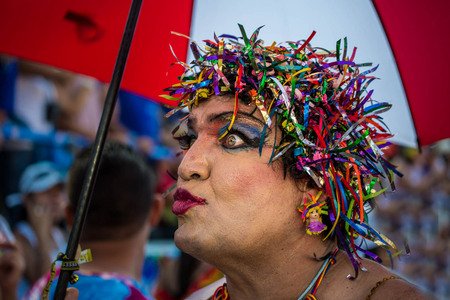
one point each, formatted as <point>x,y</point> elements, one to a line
<point>182,135</point>
<point>186,141</point>
<point>181,130</point>
<point>250,141</point>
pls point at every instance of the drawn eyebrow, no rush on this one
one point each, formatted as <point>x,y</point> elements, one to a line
<point>228,114</point>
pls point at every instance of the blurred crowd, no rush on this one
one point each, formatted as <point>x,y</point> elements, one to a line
<point>47,116</point>
<point>417,216</point>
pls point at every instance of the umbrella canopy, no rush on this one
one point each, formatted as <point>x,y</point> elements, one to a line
<point>406,38</point>
<point>418,35</point>
<point>411,72</point>
<point>83,36</point>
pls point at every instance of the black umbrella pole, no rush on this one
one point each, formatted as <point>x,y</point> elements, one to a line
<point>108,110</point>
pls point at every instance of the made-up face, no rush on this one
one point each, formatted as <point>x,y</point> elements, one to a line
<point>229,201</point>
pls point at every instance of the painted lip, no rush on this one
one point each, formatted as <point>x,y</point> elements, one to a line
<point>184,200</point>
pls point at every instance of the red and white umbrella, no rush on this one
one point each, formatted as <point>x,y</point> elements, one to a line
<point>410,43</point>
<point>84,36</point>
<point>407,38</point>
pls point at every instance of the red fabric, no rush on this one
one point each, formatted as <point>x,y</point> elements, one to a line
<point>39,31</point>
<point>418,33</point>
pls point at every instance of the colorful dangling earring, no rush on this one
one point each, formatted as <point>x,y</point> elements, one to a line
<point>312,215</point>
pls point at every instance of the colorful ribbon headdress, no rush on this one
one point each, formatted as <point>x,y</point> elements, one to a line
<point>331,127</point>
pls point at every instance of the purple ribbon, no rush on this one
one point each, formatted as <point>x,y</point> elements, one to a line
<point>336,63</point>
<point>224,57</point>
<point>191,89</point>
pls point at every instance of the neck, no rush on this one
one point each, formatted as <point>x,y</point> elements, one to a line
<point>124,256</point>
<point>291,267</point>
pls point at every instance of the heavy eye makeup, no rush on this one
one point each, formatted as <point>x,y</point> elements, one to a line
<point>242,136</point>
<point>245,134</point>
<point>184,135</point>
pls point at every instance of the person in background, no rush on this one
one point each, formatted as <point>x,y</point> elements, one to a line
<point>12,263</point>
<point>35,96</point>
<point>80,101</point>
<point>122,212</point>
<point>40,235</point>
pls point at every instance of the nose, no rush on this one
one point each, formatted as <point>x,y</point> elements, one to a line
<point>194,165</point>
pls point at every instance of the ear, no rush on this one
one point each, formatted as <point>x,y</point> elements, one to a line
<point>156,210</point>
<point>320,195</point>
<point>70,217</point>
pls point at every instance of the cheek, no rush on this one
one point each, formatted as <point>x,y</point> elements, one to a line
<point>40,199</point>
<point>243,179</point>
<point>253,187</point>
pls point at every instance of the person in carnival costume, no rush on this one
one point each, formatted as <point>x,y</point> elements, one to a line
<point>275,134</point>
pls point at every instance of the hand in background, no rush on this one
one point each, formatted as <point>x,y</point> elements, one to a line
<point>12,266</point>
<point>71,294</point>
<point>37,257</point>
<point>39,217</point>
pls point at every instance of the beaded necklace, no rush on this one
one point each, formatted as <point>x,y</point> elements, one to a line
<point>221,292</point>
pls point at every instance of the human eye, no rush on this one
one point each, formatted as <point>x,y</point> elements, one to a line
<point>241,137</point>
<point>185,136</point>
<point>233,141</point>
<point>186,141</point>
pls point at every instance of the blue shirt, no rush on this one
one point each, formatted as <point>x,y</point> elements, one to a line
<point>111,286</point>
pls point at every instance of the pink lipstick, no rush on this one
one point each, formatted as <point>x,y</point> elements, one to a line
<point>183,201</point>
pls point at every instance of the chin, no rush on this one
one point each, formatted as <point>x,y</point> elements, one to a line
<point>188,241</point>
<point>183,238</point>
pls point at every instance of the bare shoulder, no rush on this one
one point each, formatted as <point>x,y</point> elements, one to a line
<point>385,284</point>
<point>206,292</point>
<point>397,288</point>
<point>376,282</point>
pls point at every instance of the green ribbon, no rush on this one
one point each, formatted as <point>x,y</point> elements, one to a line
<point>363,136</point>
<point>370,196</point>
